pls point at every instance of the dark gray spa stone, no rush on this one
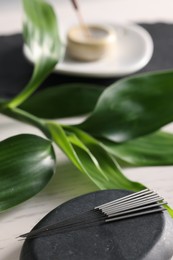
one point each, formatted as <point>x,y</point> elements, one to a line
<point>148,237</point>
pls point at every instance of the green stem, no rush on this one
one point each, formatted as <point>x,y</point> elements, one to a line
<point>37,78</point>
<point>25,117</point>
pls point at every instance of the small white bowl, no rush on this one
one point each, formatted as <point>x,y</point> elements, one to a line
<point>95,43</point>
<point>133,50</point>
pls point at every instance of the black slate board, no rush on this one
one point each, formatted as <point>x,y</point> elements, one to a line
<point>148,237</point>
<point>15,70</point>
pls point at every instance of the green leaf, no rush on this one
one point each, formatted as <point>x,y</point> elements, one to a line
<point>91,158</point>
<point>27,163</point>
<point>132,107</point>
<point>63,101</point>
<point>151,150</point>
<point>42,38</point>
<point>59,137</point>
<point>170,210</point>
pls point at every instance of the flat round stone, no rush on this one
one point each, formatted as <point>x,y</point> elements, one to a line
<point>148,237</point>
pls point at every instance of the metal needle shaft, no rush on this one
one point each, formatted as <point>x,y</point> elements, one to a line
<point>133,205</point>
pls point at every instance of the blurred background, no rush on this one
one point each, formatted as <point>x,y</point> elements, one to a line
<point>93,10</point>
<point>105,11</point>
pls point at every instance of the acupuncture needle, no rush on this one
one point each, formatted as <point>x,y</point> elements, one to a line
<point>137,208</point>
<point>128,197</point>
<point>134,195</point>
<point>64,222</point>
<point>80,225</point>
<point>134,205</point>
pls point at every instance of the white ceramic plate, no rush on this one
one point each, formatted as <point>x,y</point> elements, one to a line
<point>133,50</point>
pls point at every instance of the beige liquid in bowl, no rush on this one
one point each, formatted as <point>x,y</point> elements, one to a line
<point>92,44</point>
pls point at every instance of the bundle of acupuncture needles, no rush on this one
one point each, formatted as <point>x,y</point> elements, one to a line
<point>134,205</point>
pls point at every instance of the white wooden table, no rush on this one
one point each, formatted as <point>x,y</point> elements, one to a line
<point>69,182</point>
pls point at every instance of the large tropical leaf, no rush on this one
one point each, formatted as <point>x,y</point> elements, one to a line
<point>27,162</point>
<point>133,107</point>
<point>90,158</point>
<point>42,39</point>
<point>151,150</point>
<point>63,101</point>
